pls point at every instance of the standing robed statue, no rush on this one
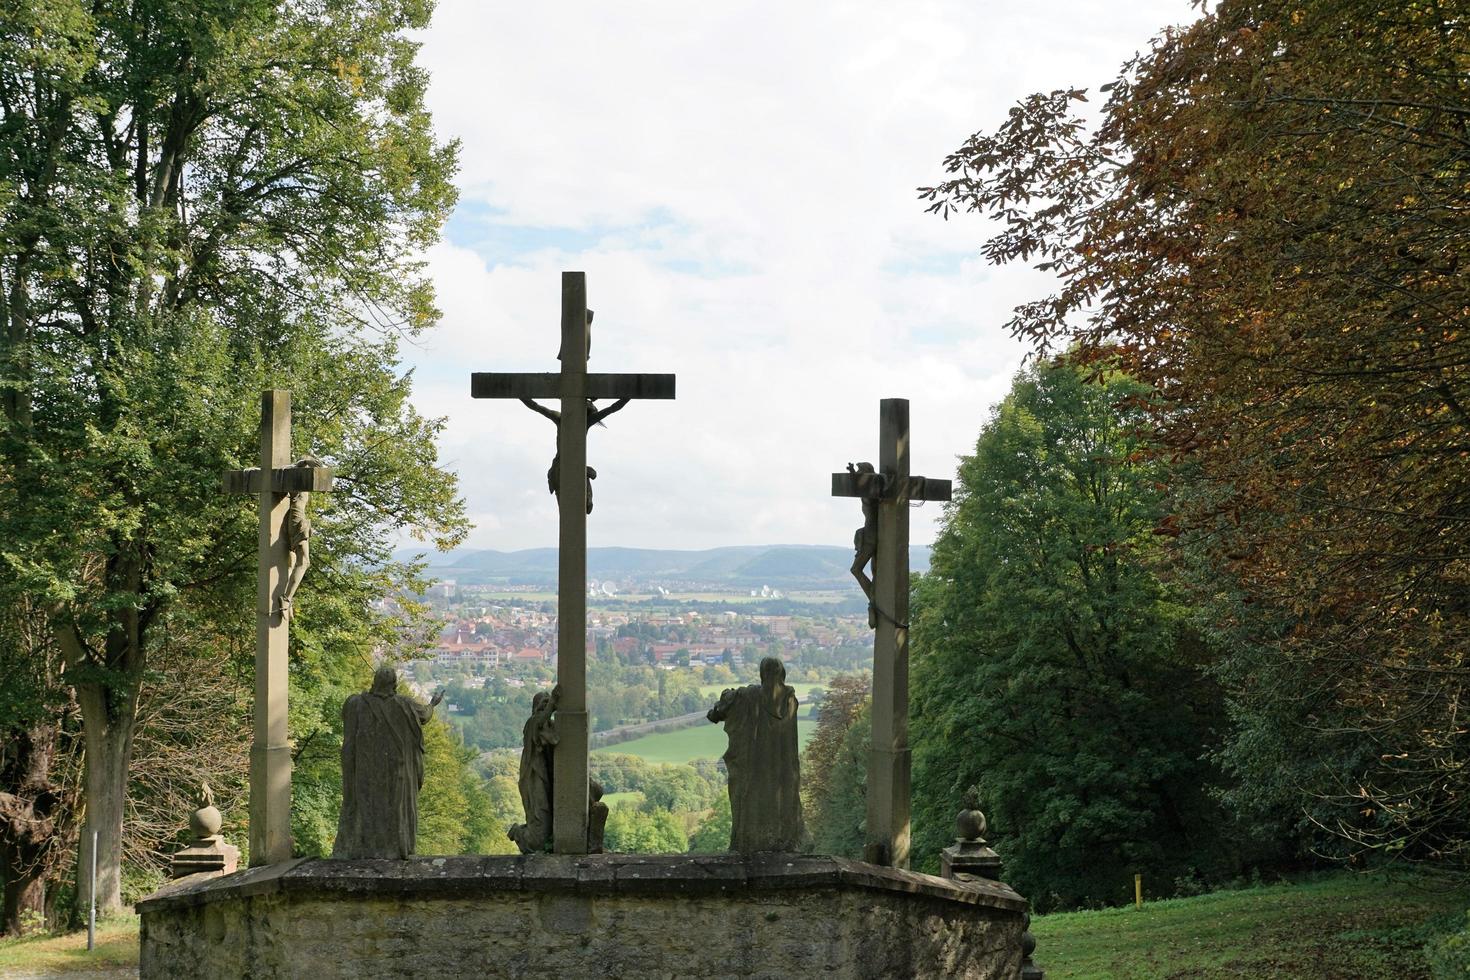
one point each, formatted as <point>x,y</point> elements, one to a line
<point>762,762</point>
<point>382,770</point>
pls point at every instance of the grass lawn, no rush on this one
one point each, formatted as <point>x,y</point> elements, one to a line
<point>631,798</point>
<point>117,946</point>
<point>1362,926</point>
<point>688,744</point>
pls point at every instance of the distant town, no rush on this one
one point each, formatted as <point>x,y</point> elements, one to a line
<point>510,632</point>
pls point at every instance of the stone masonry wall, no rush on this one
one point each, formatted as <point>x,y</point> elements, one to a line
<point>547,917</point>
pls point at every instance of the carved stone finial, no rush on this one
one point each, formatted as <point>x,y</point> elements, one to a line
<point>969,858</point>
<point>205,821</point>
<point>1029,970</point>
<point>208,852</point>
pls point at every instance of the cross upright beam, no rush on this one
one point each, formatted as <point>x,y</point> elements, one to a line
<point>888,490</point>
<point>574,387</point>
<point>270,749</point>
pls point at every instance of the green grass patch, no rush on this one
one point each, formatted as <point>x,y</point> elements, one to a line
<point>688,744</point>
<point>631,798</point>
<point>116,947</point>
<point>1364,926</point>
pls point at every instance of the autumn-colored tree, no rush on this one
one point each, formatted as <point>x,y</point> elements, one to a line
<point>1268,226</point>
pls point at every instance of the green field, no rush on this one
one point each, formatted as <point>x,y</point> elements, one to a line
<point>688,744</point>
<point>1362,926</point>
<point>632,798</point>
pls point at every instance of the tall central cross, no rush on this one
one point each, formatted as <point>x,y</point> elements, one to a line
<point>270,752</point>
<point>574,386</point>
<point>886,493</point>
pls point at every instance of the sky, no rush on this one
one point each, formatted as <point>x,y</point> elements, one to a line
<point>737,181</point>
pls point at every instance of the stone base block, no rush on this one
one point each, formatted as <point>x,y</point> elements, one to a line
<point>211,855</point>
<point>610,915</point>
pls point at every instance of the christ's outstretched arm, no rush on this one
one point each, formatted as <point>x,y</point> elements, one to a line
<point>540,409</point>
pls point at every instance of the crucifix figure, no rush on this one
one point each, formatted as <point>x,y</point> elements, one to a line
<point>283,556</point>
<point>571,482</point>
<point>886,491</point>
<point>594,417</point>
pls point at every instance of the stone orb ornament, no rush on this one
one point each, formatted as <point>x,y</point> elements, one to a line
<point>969,824</point>
<point>205,821</point>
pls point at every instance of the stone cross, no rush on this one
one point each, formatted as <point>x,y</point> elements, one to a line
<point>890,488</point>
<point>270,751</point>
<point>574,386</point>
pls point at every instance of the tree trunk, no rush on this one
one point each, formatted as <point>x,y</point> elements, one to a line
<point>29,828</point>
<point>109,753</point>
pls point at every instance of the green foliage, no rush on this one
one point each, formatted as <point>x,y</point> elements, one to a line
<point>196,205</point>
<point>832,783</point>
<point>1050,665</point>
<point>1448,956</point>
<point>838,824</point>
<point>644,831</point>
<point>1265,223</point>
<point>712,836</point>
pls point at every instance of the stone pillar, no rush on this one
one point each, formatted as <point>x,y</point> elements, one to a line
<point>270,751</point>
<point>569,779</point>
<point>888,766</point>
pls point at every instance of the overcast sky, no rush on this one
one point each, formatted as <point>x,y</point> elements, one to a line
<point>737,181</point>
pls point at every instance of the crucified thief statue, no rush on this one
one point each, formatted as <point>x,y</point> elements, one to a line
<point>298,540</point>
<point>865,545</point>
<point>595,416</point>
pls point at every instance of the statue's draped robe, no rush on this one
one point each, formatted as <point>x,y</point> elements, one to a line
<point>764,770</point>
<point>382,772</point>
<point>538,741</point>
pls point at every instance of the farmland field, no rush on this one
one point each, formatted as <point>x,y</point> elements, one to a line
<point>688,744</point>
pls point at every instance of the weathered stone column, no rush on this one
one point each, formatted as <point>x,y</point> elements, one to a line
<point>569,780</point>
<point>270,750</point>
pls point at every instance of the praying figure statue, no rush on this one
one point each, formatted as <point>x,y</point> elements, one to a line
<point>298,540</point>
<point>382,770</point>
<point>762,762</point>
<point>865,545</point>
<point>538,744</point>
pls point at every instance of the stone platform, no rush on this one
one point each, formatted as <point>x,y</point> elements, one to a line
<point>609,915</point>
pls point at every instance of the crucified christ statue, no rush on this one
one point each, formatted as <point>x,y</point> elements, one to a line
<point>298,541</point>
<point>865,545</point>
<point>595,416</point>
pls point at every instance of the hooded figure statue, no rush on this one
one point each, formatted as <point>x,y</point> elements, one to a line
<point>382,770</point>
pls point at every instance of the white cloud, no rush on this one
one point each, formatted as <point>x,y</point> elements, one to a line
<point>738,183</point>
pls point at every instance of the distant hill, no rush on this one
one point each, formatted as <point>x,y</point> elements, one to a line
<point>781,566</point>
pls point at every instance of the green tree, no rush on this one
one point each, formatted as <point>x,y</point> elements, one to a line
<point>633,830</point>
<point>1267,225</point>
<point>712,836</point>
<point>1050,666</point>
<point>198,202</point>
<point>847,697</point>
